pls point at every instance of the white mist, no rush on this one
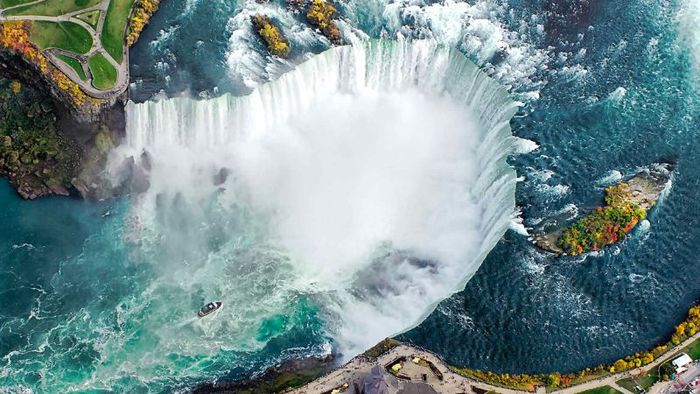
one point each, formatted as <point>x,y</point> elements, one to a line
<point>372,179</point>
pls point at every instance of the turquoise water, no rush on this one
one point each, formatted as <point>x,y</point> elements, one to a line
<point>81,307</point>
<point>607,87</point>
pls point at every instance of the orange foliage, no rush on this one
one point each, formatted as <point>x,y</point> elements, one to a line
<point>684,330</point>
<point>144,10</point>
<point>321,14</point>
<point>15,37</point>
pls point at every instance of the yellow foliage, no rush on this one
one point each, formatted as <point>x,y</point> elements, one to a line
<point>620,365</point>
<point>14,36</point>
<point>273,37</point>
<point>554,380</point>
<point>321,15</point>
<point>694,312</point>
<point>142,14</point>
<point>15,86</point>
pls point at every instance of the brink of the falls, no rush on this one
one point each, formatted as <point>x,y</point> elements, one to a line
<point>364,187</point>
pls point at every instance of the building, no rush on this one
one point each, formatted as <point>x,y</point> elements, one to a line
<point>682,362</point>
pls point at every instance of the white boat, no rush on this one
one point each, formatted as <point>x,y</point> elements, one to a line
<point>209,308</point>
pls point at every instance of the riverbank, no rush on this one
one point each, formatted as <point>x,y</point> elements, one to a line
<point>57,128</point>
<point>401,366</point>
<point>453,380</point>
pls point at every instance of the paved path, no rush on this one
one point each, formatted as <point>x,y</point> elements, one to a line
<point>610,380</point>
<point>455,383</point>
<point>452,383</point>
<point>86,86</point>
<point>620,388</point>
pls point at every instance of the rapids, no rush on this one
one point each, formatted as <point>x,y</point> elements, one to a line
<point>372,180</point>
<point>102,295</point>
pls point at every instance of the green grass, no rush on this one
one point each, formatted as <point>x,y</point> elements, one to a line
<point>645,382</point>
<point>104,75</point>
<point>75,65</point>
<point>115,28</point>
<point>693,350</point>
<point>53,7</point>
<point>11,3</point>
<point>63,35</point>
<point>381,348</point>
<point>90,17</point>
<point>601,390</point>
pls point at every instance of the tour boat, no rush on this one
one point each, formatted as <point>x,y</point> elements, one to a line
<point>209,308</point>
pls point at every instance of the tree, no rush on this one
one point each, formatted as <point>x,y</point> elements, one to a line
<point>15,86</point>
<point>620,365</point>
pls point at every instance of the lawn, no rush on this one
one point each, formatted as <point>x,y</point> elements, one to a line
<point>64,35</point>
<point>115,28</point>
<point>75,65</point>
<point>90,17</point>
<point>693,350</point>
<point>10,3</point>
<point>645,382</point>
<point>53,7</point>
<point>104,75</point>
<point>601,390</point>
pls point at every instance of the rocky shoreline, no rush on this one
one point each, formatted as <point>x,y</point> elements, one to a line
<point>54,140</point>
<point>393,366</point>
<point>626,205</point>
<point>46,149</point>
<point>291,373</point>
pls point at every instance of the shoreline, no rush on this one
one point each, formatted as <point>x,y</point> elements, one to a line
<point>349,376</point>
<point>87,125</point>
<point>626,204</point>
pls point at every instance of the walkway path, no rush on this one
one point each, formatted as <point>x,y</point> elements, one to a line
<point>452,383</point>
<point>610,380</point>
<point>455,383</point>
<point>620,388</point>
<point>86,86</point>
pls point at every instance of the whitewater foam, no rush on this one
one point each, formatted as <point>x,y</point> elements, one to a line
<point>612,177</point>
<point>473,28</point>
<point>371,181</point>
<point>689,22</point>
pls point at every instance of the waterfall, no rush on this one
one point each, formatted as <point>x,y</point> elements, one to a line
<point>371,180</point>
<point>689,19</point>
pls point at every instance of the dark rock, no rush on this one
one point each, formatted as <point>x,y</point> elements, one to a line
<point>59,190</point>
<point>146,161</point>
<point>221,176</point>
<point>89,132</point>
<point>291,373</point>
<point>645,187</point>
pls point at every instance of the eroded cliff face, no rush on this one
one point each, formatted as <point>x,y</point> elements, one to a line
<point>51,143</point>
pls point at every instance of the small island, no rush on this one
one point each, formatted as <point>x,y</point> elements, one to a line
<point>320,14</point>
<point>274,40</point>
<point>626,205</point>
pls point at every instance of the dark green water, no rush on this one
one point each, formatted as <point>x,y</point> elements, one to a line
<point>83,306</point>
